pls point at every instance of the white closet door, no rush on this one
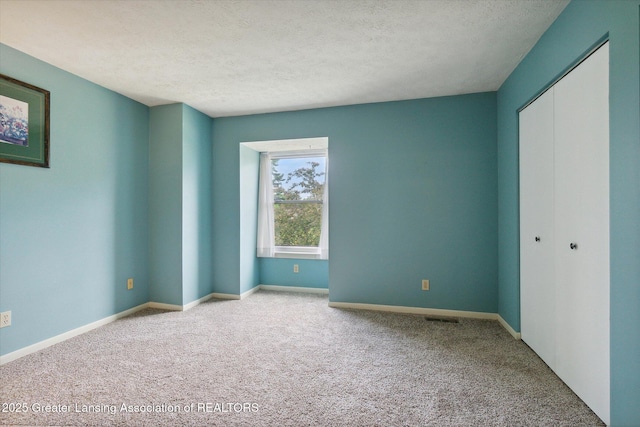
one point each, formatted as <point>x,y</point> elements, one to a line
<point>537,290</point>
<point>582,219</point>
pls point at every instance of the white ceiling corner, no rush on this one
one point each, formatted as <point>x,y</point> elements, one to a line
<point>237,57</point>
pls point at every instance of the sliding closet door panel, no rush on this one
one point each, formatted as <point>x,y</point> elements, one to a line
<point>582,230</point>
<point>537,292</point>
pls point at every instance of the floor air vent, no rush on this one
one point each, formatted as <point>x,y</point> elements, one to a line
<point>441,319</point>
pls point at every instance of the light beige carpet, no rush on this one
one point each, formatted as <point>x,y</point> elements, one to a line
<point>280,359</point>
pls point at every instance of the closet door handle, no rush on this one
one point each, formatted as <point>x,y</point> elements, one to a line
<point>537,238</point>
<point>573,246</point>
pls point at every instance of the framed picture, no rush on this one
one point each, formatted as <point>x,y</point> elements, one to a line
<point>24,123</point>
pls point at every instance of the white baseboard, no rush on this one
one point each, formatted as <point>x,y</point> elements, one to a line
<point>243,295</point>
<point>174,307</point>
<point>86,328</point>
<point>196,302</point>
<point>163,306</point>
<point>509,329</point>
<point>415,310</point>
<point>218,295</point>
<point>269,288</point>
<point>41,345</point>
<point>321,291</point>
<point>249,292</point>
<point>67,335</point>
<point>429,312</point>
<point>177,307</point>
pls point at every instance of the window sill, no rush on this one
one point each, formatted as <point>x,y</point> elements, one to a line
<point>296,255</point>
<point>297,252</point>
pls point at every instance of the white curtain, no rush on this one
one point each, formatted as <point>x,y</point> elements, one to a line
<point>324,227</point>
<point>266,233</point>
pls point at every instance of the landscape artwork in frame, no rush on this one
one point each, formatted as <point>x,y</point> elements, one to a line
<point>24,123</point>
<point>14,121</point>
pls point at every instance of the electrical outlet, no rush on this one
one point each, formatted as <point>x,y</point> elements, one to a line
<point>296,269</point>
<point>425,285</point>
<point>130,284</point>
<point>5,319</point>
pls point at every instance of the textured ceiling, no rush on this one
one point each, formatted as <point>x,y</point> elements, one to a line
<point>240,57</point>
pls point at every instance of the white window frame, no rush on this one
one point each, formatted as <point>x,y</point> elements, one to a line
<point>304,252</point>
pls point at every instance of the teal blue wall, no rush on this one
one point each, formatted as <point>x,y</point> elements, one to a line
<point>413,196</point>
<point>196,205</point>
<point>179,204</point>
<point>431,212</point>
<point>312,273</point>
<point>165,204</point>
<point>225,222</point>
<point>249,172</point>
<point>577,29</point>
<point>71,235</point>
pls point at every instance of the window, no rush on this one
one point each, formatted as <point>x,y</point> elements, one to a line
<point>293,207</point>
<point>298,188</point>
